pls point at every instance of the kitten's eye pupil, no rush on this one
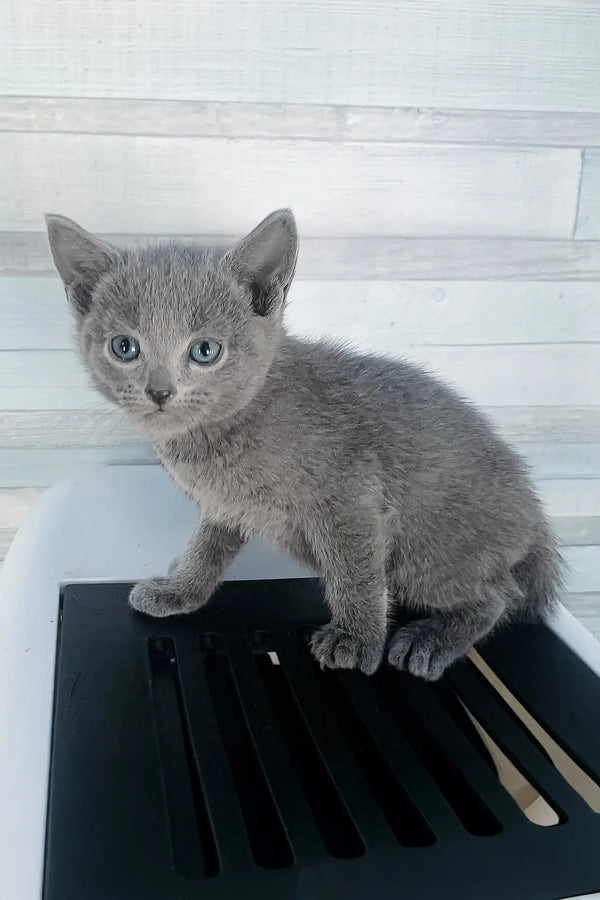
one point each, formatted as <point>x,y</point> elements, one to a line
<point>205,351</point>
<point>125,348</point>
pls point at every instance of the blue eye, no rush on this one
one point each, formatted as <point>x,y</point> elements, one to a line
<point>125,348</point>
<point>205,351</point>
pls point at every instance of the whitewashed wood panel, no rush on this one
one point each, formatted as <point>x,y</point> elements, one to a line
<point>532,375</point>
<point>107,427</point>
<point>548,462</point>
<point>381,259</point>
<point>52,428</point>
<point>583,576</point>
<point>539,54</point>
<point>380,314</point>
<point>40,468</point>
<point>15,504</point>
<point>178,118</point>
<point>26,254</point>
<point>539,375</point>
<point>586,607</point>
<point>563,499</point>
<point>386,315</point>
<point>6,539</point>
<point>572,497</point>
<point>578,424</point>
<point>577,531</point>
<point>573,464</point>
<point>588,216</point>
<point>337,189</point>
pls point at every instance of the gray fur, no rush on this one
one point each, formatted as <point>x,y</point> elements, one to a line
<point>370,470</point>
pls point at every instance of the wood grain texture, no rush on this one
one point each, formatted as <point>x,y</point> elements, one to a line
<point>542,54</point>
<point>550,464</point>
<point>107,427</point>
<point>551,461</point>
<point>586,607</point>
<point>180,118</point>
<point>568,497</point>
<point>337,189</point>
<point>584,569</point>
<point>40,468</point>
<point>577,531</point>
<point>588,215</point>
<point>15,504</point>
<point>382,315</point>
<point>564,500</point>
<point>523,375</point>
<point>6,539</point>
<point>383,259</point>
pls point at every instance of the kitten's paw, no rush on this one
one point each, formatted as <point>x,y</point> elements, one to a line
<point>335,648</point>
<point>161,597</point>
<point>422,648</point>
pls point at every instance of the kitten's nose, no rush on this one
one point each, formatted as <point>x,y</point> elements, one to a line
<point>159,397</point>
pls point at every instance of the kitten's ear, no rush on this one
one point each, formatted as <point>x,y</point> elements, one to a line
<point>80,258</point>
<point>266,259</point>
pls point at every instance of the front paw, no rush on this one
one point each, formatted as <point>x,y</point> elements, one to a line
<point>425,649</point>
<point>335,648</point>
<point>161,597</point>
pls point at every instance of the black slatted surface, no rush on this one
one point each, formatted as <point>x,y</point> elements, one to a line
<point>187,765</point>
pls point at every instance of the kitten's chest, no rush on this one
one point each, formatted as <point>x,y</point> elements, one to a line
<point>228,491</point>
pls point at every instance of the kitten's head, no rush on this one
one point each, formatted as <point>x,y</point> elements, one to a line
<point>176,337</point>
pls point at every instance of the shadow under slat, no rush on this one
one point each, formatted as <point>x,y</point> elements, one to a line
<point>192,840</point>
<point>469,784</point>
<point>272,750</point>
<point>513,739</point>
<point>209,753</point>
<point>333,820</point>
<point>328,739</point>
<point>266,832</point>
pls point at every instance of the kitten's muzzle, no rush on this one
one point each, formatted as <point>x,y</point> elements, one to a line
<point>159,397</point>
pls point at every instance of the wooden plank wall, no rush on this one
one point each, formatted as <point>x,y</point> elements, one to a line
<point>443,160</point>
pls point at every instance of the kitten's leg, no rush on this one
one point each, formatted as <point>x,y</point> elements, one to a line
<point>194,576</point>
<point>353,572</point>
<point>427,647</point>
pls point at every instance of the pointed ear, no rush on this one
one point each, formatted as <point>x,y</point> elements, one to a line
<point>265,260</point>
<point>80,258</point>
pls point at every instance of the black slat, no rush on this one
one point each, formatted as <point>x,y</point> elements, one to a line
<point>274,758</point>
<point>400,756</point>
<point>193,843</point>
<point>221,800</point>
<point>554,685</point>
<point>266,832</point>
<point>442,727</point>
<point>514,740</point>
<point>255,756</point>
<point>343,771</point>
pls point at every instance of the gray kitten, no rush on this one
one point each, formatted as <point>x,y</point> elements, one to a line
<point>369,470</point>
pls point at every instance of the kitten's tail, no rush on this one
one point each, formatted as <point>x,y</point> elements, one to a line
<point>540,576</point>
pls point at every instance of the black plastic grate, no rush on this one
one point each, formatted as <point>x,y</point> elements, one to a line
<point>210,757</point>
